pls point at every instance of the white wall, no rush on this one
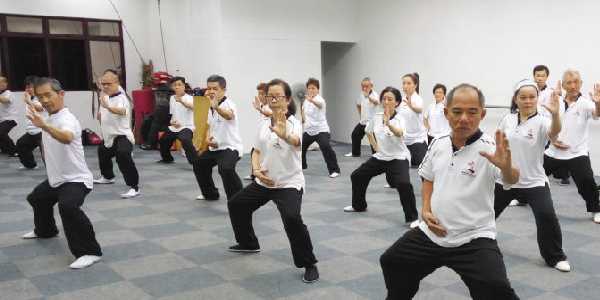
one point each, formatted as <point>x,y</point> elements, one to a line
<point>250,41</point>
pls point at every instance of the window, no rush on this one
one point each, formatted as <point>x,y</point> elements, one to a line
<point>73,50</point>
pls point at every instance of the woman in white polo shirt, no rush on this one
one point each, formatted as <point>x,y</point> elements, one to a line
<point>528,133</point>
<point>386,135</point>
<point>411,109</point>
<point>181,106</point>
<point>434,118</point>
<point>277,167</point>
<point>316,128</point>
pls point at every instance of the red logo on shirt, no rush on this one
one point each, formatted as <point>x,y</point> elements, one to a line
<point>470,170</point>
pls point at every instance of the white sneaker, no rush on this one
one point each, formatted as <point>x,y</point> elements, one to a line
<point>334,175</point>
<point>30,235</point>
<point>349,209</point>
<point>387,186</point>
<point>103,180</point>
<point>249,177</point>
<point>563,266</point>
<point>414,224</point>
<point>200,197</point>
<point>131,193</point>
<point>28,169</point>
<point>597,218</point>
<point>349,154</point>
<point>514,202</point>
<point>85,261</point>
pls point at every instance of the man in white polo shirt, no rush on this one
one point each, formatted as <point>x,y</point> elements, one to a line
<point>571,150</point>
<point>540,75</point>
<point>458,228</point>
<point>181,106</point>
<point>115,124</point>
<point>8,116</point>
<point>224,143</point>
<point>69,179</point>
<point>366,105</point>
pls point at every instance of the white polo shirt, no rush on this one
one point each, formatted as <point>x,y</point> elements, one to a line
<point>367,108</point>
<point>225,132</point>
<point>315,119</point>
<point>415,128</point>
<point>113,125</point>
<point>8,111</point>
<point>438,124</point>
<point>390,146</point>
<point>182,114</point>
<point>544,97</point>
<point>282,160</point>
<point>463,189</point>
<point>527,143</point>
<point>29,127</point>
<point>575,128</point>
<point>65,162</point>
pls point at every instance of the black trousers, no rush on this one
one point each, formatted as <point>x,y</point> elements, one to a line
<point>121,149</point>
<point>357,135</point>
<point>225,160</point>
<point>414,256</point>
<point>398,174</point>
<point>6,143</point>
<point>25,146</point>
<point>580,169</point>
<point>185,137</point>
<point>289,202</point>
<point>328,154</point>
<point>549,235</point>
<point>417,153</point>
<point>78,228</point>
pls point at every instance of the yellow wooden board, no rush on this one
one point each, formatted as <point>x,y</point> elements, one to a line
<point>201,107</point>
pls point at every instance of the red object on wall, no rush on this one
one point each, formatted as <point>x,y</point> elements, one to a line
<point>143,105</point>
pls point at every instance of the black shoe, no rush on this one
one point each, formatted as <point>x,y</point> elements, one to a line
<point>242,249</point>
<point>564,181</point>
<point>162,161</point>
<point>14,155</point>
<point>311,274</point>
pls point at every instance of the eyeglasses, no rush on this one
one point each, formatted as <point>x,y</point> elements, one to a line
<point>270,98</point>
<point>107,83</point>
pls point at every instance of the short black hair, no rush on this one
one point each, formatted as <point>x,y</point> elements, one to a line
<point>463,86</point>
<point>392,90</point>
<point>288,94</point>
<point>218,79</point>
<point>30,80</point>
<point>177,78</point>
<point>313,81</point>
<point>439,86</point>
<point>541,68</point>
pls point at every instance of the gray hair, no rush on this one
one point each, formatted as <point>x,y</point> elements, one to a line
<point>368,79</point>
<point>54,84</point>
<point>464,86</point>
<point>571,72</point>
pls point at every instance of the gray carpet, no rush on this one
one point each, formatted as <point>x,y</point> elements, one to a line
<point>164,244</point>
